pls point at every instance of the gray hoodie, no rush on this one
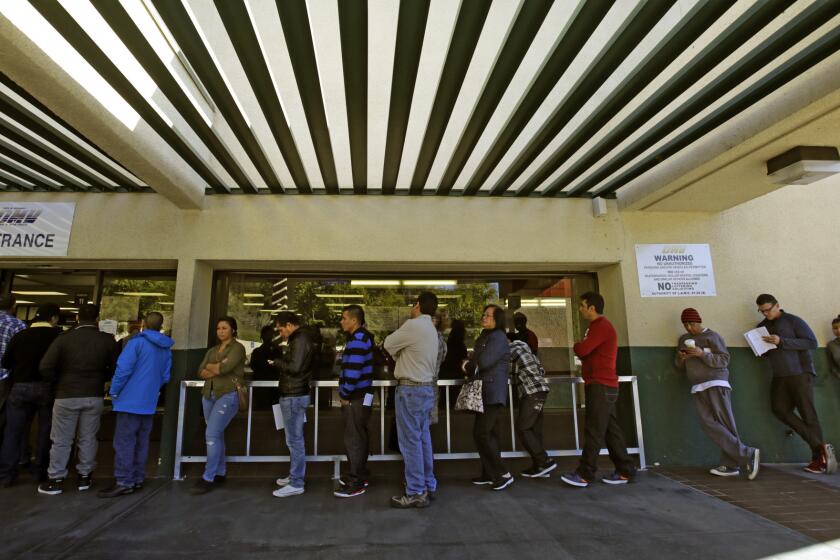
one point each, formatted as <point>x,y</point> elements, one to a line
<point>712,366</point>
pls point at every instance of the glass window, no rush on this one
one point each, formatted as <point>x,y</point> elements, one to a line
<point>128,297</point>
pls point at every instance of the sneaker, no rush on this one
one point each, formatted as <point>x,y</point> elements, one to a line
<point>52,487</point>
<point>432,494</point>
<point>479,480</point>
<point>138,486</point>
<point>286,491</point>
<point>115,490</point>
<point>615,479</point>
<point>503,482</point>
<point>85,482</point>
<point>283,481</point>
<point>540,471</point>
<point>725,471</point>
<point>829,458</point>
<point>817,466</point>
<point>410,501</point>
<point>574,479</point>
<point>345,481</point>
<point>754,464</point>
<point>219,479</point>
<point>349,491</point>
<point>202,487</point>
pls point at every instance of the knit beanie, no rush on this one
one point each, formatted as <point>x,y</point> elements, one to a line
<point>690,315</point>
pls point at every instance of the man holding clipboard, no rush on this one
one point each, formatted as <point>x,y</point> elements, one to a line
<point>792,387</point>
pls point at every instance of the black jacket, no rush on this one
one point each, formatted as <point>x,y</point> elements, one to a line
<point>25,350</point>
<point>263,371</point>
<point>80,362</point>
<point>297,364</point>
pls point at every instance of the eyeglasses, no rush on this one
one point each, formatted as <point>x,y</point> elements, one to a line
<point>767,310</point>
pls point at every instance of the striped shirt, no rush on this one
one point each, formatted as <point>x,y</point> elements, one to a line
<point>9,326</point>
<point>526,370</point>
<point>356,366</point>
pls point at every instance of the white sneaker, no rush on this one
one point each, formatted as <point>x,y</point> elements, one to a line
<point>283,481</point>
<point>725,471</point>
<point>287,491</point>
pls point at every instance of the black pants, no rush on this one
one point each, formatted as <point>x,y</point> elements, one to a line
<point>601,425</point>
<point>529,423</point>
<point>4,394</point>
<point>24,402</point>
<point>486,435</point>
<point>356,438</point>
<point>797,392</point>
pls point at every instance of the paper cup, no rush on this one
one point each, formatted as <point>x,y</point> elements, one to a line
<point>689,343</point>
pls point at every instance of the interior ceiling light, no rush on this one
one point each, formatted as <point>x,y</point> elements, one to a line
<point>165,303</point>
<point>338,296</point>
<point>803,165</point>
<point>141,294</point>
<point>31,293</point>
<point>33,25</point>
<point>252,295</point>
<point>430,282</point>
<point>24,302</point>
<point>374,282</point>
<point>252,305</point>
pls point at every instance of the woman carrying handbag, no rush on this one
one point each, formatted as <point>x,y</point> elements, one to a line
<point>490,363</point>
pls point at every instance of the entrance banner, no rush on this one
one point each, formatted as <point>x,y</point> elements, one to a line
<point>671,270</point>
<point>35,229</point>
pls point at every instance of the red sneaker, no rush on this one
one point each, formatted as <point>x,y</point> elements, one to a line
<point>817,466</point>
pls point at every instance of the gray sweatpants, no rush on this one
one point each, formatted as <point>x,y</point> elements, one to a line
<point>714,409</point>
<point>70,416</point>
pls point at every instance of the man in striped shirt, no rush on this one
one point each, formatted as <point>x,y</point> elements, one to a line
<point>9,327</point>
<point>532,389</point>
<point>356,394</point>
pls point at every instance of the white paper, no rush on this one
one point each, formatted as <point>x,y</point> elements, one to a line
<point>368,399</point>
<point>758,345</point>
<point>108,326</point>
<point>278,416</point>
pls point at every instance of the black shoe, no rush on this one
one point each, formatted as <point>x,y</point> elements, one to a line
<point>503,482</point>
<point>432,494</point>
<point>52,487</point>
<point>345,481</point>
<point>138,486</point>
<point>350,491</point>
<point>202,487</point>
<point>85,482</point>
<point>219,479</point>
<point>540,471</point>
<point>7,482</point>
<point>480,480</point>
<point>115,490</point>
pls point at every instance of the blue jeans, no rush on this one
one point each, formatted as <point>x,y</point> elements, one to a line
<point>24,402</point>
<point>218,412</point>
<point>414,405</point>
<point>131,447</point>
<point>293,410</point>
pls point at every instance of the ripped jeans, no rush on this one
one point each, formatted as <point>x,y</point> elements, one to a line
<point>218,412</point>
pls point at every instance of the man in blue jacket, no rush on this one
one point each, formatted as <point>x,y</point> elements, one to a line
<point>792,387</point>
<point>142,369</point>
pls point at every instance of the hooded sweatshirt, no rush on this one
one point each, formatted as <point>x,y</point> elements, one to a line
<point>142,368</point>
<point>709,370</point>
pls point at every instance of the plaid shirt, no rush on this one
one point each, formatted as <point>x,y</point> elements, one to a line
<point>528,372</point>
<point>9,326</point>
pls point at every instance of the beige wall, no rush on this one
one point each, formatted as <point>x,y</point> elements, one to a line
<point>784,243</point>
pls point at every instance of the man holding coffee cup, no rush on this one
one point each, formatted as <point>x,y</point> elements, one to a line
<point>703,355</point>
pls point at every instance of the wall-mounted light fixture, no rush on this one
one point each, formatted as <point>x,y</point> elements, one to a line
<point>803,165</point>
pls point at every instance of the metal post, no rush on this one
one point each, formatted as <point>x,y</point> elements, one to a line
<point>574,414</point>
<point>640,441</point>
<point>382,420</point>
<point>179,435</point>
<point>315,437</point>
<point>250,410</point>
<point>512,428</point>
<point>448,424</point>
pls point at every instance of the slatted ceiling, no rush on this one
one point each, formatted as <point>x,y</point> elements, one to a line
<point>742,68</point>
<point>564,31</point>
<point>686,79</point>
<point>570,127</point>
<point>353,31</point>
<point>442,22</point>
<point>463,97</point>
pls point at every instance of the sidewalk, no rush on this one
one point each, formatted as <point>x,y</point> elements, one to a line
<point>655,517</point>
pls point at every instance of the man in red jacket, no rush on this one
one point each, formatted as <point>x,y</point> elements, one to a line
<point>598,351</point>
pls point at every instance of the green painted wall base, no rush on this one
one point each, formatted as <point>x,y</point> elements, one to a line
<point>672,433</point>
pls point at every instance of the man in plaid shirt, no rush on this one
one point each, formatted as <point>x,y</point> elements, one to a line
<point>9,326</point>
<point>532,389</point>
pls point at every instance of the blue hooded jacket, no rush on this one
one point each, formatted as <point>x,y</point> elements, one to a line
<point>142,368</point>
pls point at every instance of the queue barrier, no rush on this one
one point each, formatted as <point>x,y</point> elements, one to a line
<point>382,385</point>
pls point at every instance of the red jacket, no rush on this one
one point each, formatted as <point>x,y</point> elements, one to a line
<point>598,351</point>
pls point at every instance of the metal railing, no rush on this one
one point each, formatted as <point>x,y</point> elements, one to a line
<point>382,456</point>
